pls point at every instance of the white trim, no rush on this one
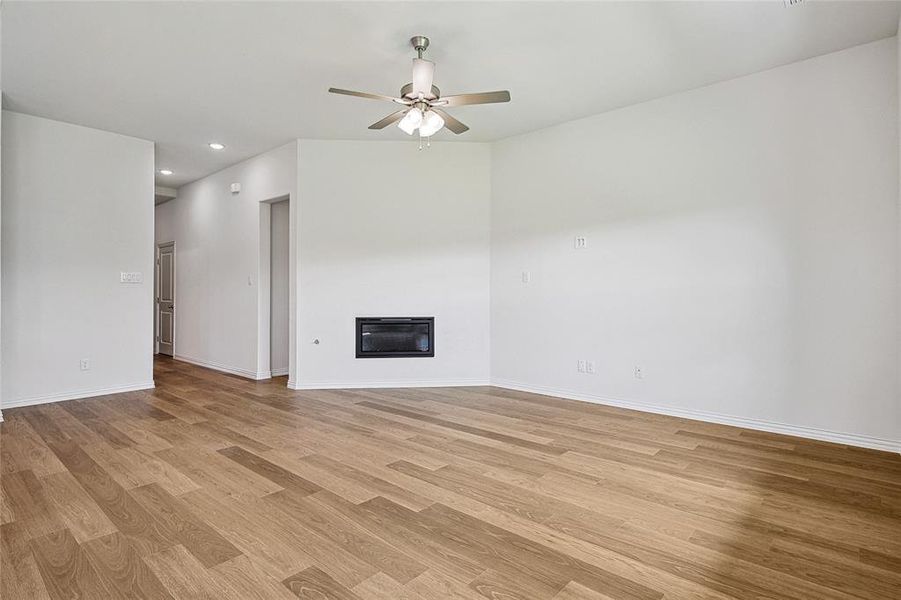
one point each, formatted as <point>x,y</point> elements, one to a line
<point>279,372</point>
<point>146,385</point>
<point>849,439</point>
<point>344,385</point>
<point>1,416</point>
<point>247,373</point>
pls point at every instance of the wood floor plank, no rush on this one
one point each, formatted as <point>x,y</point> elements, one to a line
<point>217,472</point>
<point>379,486</point>
<point>434,584</point>
<point>324,478</point>
<point>20,576</point>
<point>315,584</point>
<point>341,558</point>
<point>247,582</point>
<point>146,532</point>
<point>184,576</point>
<point>487,433</point>
<point>576,591</point>
<point>270,471</point>
<point>65,568</point>
<point>347,534</point>
<point>29,504</point>
<point>398,526</point>
<point>492,584</point>
<point>81,514</point>
<point>130,467</point>
<point>6,510</point>
<point>249,526</point>
<point>382,587</point>
<point>115,559</point>
<point>214,486</point>
<point>231,437</point>
<point>23,449</point>
<point>90,419</point>
<point>191,531</point>
<point>541,562</point>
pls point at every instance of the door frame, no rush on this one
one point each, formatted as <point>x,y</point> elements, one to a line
<point>264,291</point>
<point>157,283</point>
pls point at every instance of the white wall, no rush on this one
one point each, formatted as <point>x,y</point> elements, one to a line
<point>1,277</point>
<point>279,283</point>
<point>222,297</point>
<point>1,274</point>
<point>77,210</point>
<point>898,88</point>
<point>743,250</point>
<point>388,230</point>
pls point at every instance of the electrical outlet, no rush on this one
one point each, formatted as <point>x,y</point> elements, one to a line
<point>580,366</point>
<point>638,373</point>
<point>580,242</point>
<point>85,364</point>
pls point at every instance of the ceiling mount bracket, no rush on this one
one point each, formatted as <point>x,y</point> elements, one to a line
<point>420,43</point>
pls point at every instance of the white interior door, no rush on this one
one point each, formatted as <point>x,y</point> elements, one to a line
<point>165,299</point>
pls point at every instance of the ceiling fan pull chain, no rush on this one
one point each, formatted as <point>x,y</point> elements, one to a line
<point>420,143</point>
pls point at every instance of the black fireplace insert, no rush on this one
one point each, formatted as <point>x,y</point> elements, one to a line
<point>393,337</point>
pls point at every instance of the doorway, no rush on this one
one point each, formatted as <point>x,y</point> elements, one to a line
<point>279,239</point>
<point>165,298</point>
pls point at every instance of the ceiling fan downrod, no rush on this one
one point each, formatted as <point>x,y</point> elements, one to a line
<point>420,43</point>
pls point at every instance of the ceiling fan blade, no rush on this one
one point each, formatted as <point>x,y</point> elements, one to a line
<point>452,123</point>
<point>479,98</point>
<point>392,118</point>
<point>423,74</point>
<point>367,95</point>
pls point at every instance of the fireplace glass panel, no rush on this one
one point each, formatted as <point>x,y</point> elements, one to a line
<point>394,337</point>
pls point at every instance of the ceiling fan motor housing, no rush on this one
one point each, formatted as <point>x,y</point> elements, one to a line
<point>407,92</point>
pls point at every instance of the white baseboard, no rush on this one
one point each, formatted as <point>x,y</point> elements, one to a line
<point>249,374</point>
<point>348,385</point>
<point>279,372</point>
<point>75,395</point>
<point>813,433</point>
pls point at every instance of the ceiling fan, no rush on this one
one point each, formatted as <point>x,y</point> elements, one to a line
<point>422,101</point>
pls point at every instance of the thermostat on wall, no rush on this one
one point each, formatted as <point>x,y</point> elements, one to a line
<point>236,188</point>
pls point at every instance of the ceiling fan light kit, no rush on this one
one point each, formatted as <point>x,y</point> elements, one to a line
<point>423,101</point>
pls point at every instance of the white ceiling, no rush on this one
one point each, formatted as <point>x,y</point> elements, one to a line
<point>254,75</point>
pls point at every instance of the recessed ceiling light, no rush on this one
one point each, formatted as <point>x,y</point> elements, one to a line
<point>165,172</point>
<point>217,146</point>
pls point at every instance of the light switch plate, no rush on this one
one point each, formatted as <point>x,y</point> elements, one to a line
<point>131,277</point>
